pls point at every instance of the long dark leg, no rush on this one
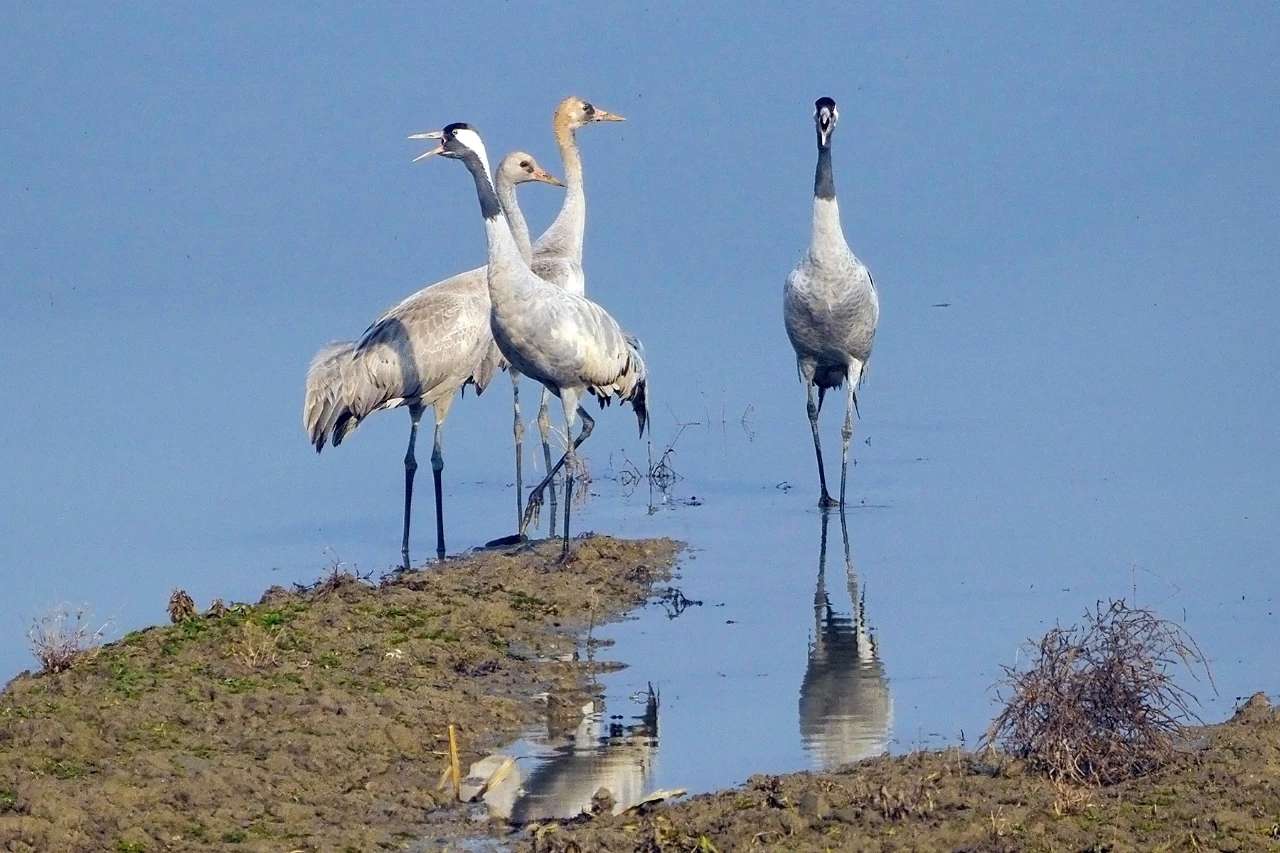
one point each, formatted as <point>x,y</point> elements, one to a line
<point>825,499</point>
<point>535,496</point>
<point>846,433</point>
<point>410,468</point>
<point>517,430</point>
<point>544,428</point>
<point>568,500</point>
<point>571,454</point>
<point>437,466</point>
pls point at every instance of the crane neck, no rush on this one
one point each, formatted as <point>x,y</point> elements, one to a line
<point>504,254</point>
<point>506,190</point>
<point>824,183</point>
<point>565,236</point>
<point>828,236</point>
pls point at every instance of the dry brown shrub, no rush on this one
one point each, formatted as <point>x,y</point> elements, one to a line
<point>1097,703</point>
<point>181,607</point>
<point>63,636</point>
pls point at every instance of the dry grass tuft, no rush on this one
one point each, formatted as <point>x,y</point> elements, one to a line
<point>1098,704</point>
<point>181,607</point>
<point>62,637</point>
<point>256,647</point>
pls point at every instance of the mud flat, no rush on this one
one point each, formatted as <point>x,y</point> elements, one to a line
<point>1222,792</point>
<point>313,720</point>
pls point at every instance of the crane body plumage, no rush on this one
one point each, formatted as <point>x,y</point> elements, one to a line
<point>565,341</point>
<point>419,354</point>
<point>830,307</point>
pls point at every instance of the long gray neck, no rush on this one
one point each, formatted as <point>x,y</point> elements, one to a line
<point>490,207</point>
<point>828,240</point>
<point>565,235</point>
<point>824,183</point>
<point>505,263</point>
<point>515,218</point>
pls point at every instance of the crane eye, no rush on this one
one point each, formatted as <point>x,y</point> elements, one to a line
<point>524,164</point>
<point>587,108</point>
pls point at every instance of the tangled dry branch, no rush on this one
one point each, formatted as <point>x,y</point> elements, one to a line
<point>1097,703</point>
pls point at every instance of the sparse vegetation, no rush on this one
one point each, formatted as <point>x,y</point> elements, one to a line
<point>338,695</point>
<point>1097,703</point>
<point>64,636</point>
<point>257,647</point>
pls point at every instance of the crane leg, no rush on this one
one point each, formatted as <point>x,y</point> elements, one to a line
<point>535,497</point>
<point>846,433</point>
<point>544,429</point>
<point>571,454</point>
<point>437,467</point>
<point>825,500</point>
<point>517,429</point>
<point>410,468</point>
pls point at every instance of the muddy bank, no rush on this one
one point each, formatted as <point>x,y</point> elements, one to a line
<point>1222,792</point>
<point>312,720</point>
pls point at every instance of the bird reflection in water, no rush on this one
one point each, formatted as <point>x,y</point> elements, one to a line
<point>845,707</point>
<point>600,754</point>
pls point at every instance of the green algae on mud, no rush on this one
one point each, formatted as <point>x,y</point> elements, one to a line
<point>309,721</point>
<point>1221,792</point>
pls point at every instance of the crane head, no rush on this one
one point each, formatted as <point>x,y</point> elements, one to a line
<point>573,113</point>
<point>825,116</point>
<point>520,168</point>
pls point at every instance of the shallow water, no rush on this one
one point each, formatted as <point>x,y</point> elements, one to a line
<point>801,639</point>
<point>783,649</point>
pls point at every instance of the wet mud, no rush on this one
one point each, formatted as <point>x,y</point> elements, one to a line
<point>1221,792</point>
<point>315,719</point>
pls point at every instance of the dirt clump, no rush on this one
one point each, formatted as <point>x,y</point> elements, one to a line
<point>314,720</point>
<point>1219,791</point>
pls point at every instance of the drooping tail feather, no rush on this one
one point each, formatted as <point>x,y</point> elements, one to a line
<point>639,396</point>
<point>640,402</point>
<point>325,415</point>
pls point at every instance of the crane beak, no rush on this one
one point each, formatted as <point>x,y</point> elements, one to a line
<point>547,178</point>
<point>429,134</point>
<point>605,115</point>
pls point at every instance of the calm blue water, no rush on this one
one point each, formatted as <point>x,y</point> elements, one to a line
<point>909,633</point>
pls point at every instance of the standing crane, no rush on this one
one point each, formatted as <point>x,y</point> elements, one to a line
<point>557,256</point>
<point>830,306</point>
<point>565,341</point>
<point>418,355</point>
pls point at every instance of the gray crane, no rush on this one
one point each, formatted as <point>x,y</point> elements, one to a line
<point>565,341</point>
<point>418,355</point>
<point>557,256</point>
<point>830,307</point>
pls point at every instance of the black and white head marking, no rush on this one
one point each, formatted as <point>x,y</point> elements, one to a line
<point>460,139</point>
<point>825,116</point>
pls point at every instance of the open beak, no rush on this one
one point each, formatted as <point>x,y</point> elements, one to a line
<point>429,134</point>
<point>547,178</point>
<point>605,115</point>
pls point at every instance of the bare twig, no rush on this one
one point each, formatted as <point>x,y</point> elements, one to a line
<point>1097,703</point>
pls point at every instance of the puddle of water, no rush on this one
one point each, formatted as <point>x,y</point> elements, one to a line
<point>561,772</point>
